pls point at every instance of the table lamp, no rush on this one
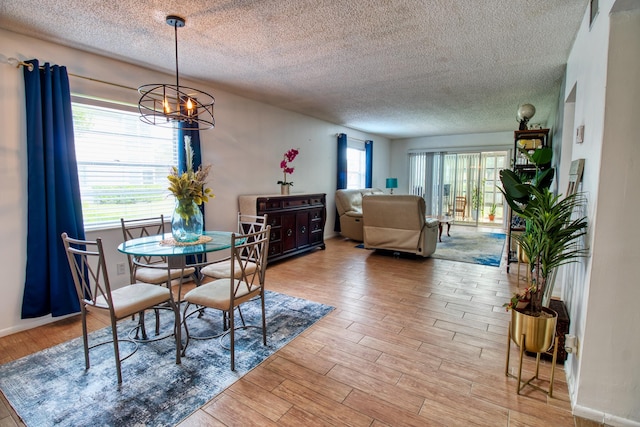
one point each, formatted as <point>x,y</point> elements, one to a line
<point>392,183</point>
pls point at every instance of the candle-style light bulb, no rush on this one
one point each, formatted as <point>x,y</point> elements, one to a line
<point>189,107</point>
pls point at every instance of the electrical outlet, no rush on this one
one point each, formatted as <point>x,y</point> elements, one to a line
<point>120,268</point>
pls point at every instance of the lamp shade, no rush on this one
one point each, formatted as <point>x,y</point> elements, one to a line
<point>392,182</point>
<point>525,112</point>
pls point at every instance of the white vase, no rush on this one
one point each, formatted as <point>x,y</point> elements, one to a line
<point>284,189</point>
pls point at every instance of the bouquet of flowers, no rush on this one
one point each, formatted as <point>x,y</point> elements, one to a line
<point>190,185</point>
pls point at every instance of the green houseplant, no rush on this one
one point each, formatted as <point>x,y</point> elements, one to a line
<point>477,200</point>
<point>492,212</point>
<point>550,239</point>
<point>550,235</point>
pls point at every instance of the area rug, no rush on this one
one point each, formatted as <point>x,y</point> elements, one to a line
<point>52,387</point>
<point>475,247</point>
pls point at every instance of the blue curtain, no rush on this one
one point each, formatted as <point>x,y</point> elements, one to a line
<point>187,129</point>
<point>53,193</point>
<point>191,129</point>
<point>342,161</point>
<point>368,153</point>
<point>342,171</point>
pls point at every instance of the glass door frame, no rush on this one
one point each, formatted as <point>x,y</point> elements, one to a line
<point>467,174</point>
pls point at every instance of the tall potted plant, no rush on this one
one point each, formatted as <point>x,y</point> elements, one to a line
<point>549,241</point>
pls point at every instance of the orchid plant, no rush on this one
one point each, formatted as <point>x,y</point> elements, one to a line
<point>288,157</point>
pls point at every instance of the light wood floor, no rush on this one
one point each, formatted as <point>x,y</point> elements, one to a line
<point>412,341</point>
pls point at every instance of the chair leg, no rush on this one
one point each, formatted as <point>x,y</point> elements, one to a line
<point>157,313</point>
<point>232,336</point>
<point>186,329</point>
<point>141,327</point>
<point>85,337</point>
<point>116,349</point>
<point>177,329</point>
<point>264,321</point>
<point>244,326</point>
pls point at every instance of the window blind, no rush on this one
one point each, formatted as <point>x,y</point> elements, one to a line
<point>122,165</point>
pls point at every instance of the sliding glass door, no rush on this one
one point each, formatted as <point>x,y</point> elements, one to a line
<point>462,185</point>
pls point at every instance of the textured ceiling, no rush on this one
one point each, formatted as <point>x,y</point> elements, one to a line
<point>398,68</point>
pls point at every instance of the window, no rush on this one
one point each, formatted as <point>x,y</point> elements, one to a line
<point>356,166</point>
<point>123,165</point>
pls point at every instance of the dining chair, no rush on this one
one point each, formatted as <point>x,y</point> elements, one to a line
<point>150,269</point>
<point>248,265</point>
<point>461,206</point>
<point>89,272</point>
<point>247,224</point>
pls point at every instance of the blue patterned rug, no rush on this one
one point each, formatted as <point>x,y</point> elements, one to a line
<point>53,388</point>
<point>471,246</point>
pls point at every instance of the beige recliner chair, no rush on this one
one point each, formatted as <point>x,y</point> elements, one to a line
<point>397,223</point>
<point>349,205</point>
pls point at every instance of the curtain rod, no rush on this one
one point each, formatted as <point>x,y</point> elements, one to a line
<point>17,63</point>
<point>356,139</point>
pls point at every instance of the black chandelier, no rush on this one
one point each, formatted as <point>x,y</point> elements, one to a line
<point>167,104</point>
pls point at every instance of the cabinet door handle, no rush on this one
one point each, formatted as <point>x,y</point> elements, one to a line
<point>289,232</point>
<point>303,229</point>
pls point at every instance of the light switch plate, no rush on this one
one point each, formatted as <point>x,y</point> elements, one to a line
<point>580,134</point>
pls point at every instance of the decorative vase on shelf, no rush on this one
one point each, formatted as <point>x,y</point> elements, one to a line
<point>186,222</point>
<point>284,189</point>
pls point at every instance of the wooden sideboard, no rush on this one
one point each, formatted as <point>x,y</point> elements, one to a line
<point>297,221</point>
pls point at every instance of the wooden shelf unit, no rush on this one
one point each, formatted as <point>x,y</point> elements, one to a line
<point>529,139</point>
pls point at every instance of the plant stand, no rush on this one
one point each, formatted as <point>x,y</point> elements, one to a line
<point>521,383</point>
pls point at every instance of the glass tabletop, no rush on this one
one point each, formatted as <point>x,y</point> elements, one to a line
<point>151,245</point>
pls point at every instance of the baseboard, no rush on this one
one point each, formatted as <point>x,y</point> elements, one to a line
<point>32,323</point>
<point>602,417</point>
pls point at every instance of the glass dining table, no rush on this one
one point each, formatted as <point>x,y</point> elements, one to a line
<point>163,245</point>
<point>178,255</point>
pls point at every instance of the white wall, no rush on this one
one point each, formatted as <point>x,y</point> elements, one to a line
<point>245,149</point>
<point>604,69</point>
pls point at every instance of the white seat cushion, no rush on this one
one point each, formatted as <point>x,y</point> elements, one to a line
<point>216,294</point>
<point>132,299</point>
<point>158,273</point>
<point>222,269</point>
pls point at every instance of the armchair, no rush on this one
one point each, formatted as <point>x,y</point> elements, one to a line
<point>398,223</point>
<point>349,206</point>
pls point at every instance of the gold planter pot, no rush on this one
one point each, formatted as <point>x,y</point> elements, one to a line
<point>537,331</point>
<point>533,334</point>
